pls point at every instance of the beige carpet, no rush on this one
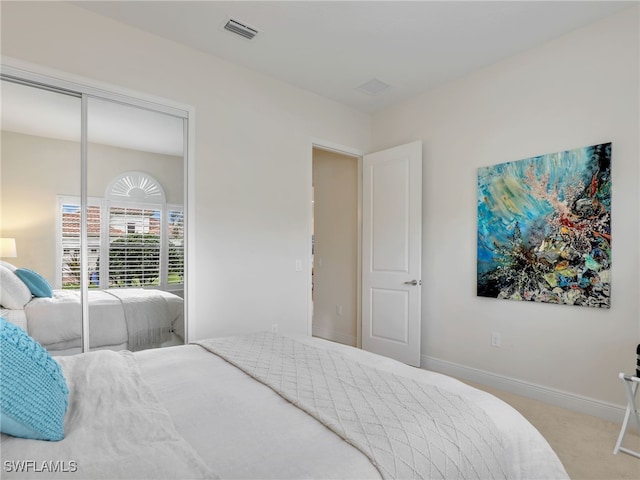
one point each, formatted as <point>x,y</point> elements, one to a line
<point>583,443</point>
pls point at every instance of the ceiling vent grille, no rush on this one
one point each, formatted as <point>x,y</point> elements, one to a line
<point>373,86</point>
<point>240,29</point>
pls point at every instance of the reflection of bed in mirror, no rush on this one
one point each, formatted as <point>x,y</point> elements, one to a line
<point>120,318</point>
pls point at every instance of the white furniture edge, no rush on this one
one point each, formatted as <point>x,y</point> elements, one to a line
<point>631,383</point>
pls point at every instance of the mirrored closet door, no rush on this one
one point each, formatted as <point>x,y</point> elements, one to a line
<point>135,235</point>
<point>93,193</point>
<point>41,159</point>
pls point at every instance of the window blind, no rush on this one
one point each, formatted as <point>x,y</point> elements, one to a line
<point>175,237</point>
<point>134,246</point>
<point>70,243</point>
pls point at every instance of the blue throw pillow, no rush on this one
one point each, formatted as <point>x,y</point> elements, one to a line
<point>37,284</point>
<point>34,392</point>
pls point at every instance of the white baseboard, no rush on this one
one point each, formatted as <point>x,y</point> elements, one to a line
<point>329,334</point>
<point>570,401</point>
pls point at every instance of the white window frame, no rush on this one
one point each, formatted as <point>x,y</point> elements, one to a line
<point>137,190</point>
<point>170,207</point>
<point>105,271</point>
<point>72,200</point>
<point>105,205</point>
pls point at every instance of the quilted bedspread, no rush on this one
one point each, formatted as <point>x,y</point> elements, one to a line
<point>408,429</point>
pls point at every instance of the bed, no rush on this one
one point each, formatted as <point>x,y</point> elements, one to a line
<point>123,318</point>
<point>265,406</point>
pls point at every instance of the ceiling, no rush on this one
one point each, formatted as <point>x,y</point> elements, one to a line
<point>333,47</point>
<point>330,48</point>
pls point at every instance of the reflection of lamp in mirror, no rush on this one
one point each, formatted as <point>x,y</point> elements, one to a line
<point>8,248</point>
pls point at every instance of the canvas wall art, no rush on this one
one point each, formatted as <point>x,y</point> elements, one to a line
<point>544,228</point>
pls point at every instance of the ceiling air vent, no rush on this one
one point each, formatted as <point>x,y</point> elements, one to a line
<point>240,29</point>
<point>373,86</point>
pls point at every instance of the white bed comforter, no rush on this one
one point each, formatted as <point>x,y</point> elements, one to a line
<point>408,429</point>
<point>261,435</point>
<point>56,322</point>
<point>115,428</point>
<point>236,426</point>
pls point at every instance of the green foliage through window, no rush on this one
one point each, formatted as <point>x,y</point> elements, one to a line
<point>134,261</point>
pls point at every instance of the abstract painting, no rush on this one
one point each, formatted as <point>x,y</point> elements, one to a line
<point>544,228</point>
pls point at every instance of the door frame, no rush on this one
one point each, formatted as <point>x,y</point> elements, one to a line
<point>44,76</point>
<point>358,154</point>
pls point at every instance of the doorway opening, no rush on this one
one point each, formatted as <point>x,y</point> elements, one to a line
<point>336,246</point>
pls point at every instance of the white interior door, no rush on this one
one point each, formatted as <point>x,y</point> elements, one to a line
<point>391,252</point>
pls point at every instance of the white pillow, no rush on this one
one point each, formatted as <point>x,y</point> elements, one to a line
<point>10,266</point>
<point>14,293</point>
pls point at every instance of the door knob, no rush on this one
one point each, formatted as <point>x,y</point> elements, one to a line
<point>413,282</point>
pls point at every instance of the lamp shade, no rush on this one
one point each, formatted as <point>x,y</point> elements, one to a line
<point>8,248</point>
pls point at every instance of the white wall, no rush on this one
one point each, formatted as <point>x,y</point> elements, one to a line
<point>253,165</point>
<point>579,90</point>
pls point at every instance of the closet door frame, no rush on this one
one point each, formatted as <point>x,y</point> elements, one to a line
<point>85,89</point>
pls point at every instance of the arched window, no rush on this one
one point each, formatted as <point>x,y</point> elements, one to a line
<point>135,187</point>
<point>135,239</point>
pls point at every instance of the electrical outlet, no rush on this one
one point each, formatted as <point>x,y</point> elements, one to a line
<point>495,339</point>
